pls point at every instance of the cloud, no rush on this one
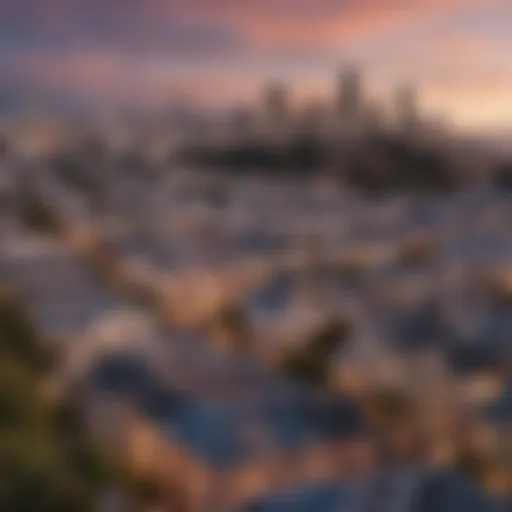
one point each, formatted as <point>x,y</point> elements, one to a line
<point>207,26</point>
<point>103,80</point>
<point>148,51</point>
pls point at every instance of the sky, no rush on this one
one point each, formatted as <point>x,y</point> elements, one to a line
<point>109,54</point>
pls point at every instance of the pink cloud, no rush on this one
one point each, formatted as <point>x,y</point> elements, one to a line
<point>115,59</point>
<point>317,23</point>
<point>265,23</point>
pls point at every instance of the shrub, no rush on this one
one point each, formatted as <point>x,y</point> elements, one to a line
<point>36,215</point>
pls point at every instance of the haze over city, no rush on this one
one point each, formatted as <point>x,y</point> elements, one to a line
<point>106,55</point>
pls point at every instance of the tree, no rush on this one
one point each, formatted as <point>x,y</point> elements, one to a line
<point>310,362</point>
<point>46,465</point>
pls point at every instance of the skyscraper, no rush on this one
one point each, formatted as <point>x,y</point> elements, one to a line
<point>240,121</point>
<point>406,109</point>
<point>277,109</point>
<point>312,120</point>
<point>350,95</point>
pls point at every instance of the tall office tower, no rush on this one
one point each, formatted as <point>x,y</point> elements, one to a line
<point>350,96</point>
<point>313,119</point>
<point>406,109</point>
<point>374,118</point>
<point>277,109</point>
<point>240,121</point>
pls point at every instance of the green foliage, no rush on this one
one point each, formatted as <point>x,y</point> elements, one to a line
<point>45,463</point>
<point>330,337</point>
<point>472,465</point>
<point>17,336</point>
<point>143,490</point>
<point>387,407</point>
<point>306,367</point>
<point>36,215</point>
<point>4,146</point>
<point>311,362</point>
<point>232,321</point>
<point>378,164</point>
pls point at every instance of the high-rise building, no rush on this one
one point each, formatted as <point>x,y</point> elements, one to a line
<point>350,95</point>
<point>406,108</point>
<point>240,121</point>
<point>374,117</point>
<point>277,108</point>
<point>313,119</point>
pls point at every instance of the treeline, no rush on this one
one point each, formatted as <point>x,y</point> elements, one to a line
<point>46,463</point>
<point>301,155</point>
<point>379,162</point>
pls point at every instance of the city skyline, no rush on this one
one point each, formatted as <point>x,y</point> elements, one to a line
<point>108,55</point>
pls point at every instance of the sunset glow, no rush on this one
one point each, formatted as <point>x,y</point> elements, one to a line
<point>113,53</point>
